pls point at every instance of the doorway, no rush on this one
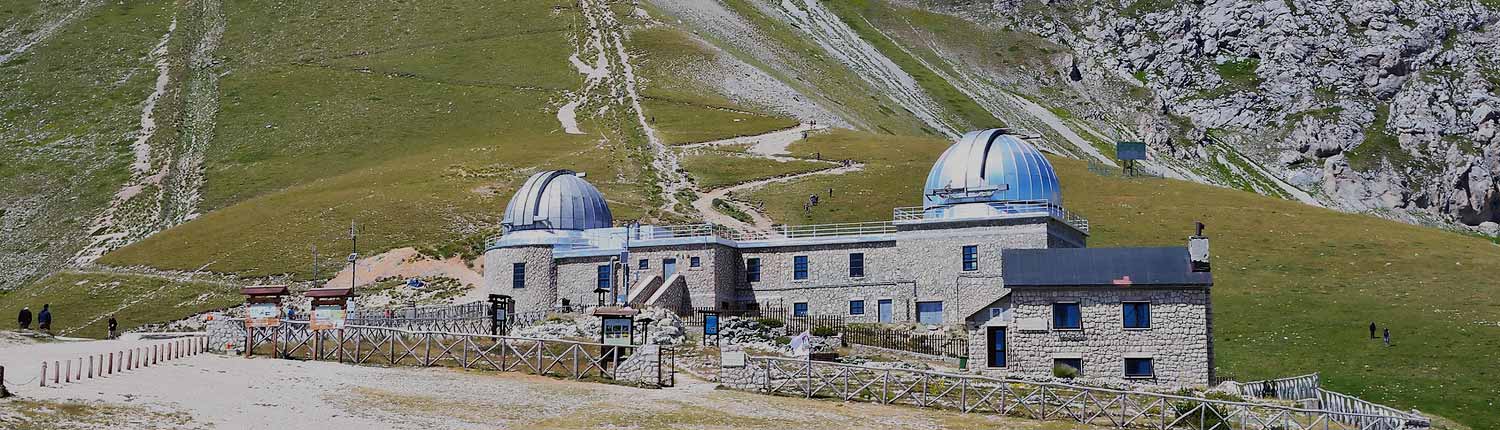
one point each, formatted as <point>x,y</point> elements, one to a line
<point>884,311</point>
<point>996,343</point>
<point>668,268</point>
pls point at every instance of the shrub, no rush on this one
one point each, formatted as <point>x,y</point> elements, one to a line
<point>824,332</point>
<point>1064,371</point>
<point>770,322</point>
<point>783,340</point>
<point>1209,419</point>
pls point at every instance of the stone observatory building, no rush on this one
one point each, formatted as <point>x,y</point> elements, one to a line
<point>990,251</point>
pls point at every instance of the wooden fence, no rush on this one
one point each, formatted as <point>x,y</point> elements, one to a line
<point>1034,400</point>
<point>388,346</point>
<point>136,357</point>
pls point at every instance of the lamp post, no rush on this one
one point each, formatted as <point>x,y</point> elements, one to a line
<point>601,291</point>
<point>645,330</point>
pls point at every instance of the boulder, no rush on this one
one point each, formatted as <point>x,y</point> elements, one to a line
<point>1490,228</point>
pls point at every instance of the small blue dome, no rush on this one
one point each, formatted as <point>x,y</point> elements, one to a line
<point>556,200</point>
<point>991,166</point>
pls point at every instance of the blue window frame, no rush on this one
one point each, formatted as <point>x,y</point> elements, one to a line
<point>602,279</point>
<point>930,312</point>
<point>644,264</point>
<point>971,258</point>
<point>799,309</point>
<point>752,270</point>
<point>856,265</point>
<point>1137,314</point>
<point>694,262</point>
<point>1065,316</point>
<point>856,307</point>
<point>518,275</point>
<point>799,267</point>
<point>1139,368</point>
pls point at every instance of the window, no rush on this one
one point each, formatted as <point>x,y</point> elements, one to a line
<point>799,267</point>
<point>752,270</point>
<point>644,264</point>
<point>1139,368</point>
<point>694,262</point>
<point>518,275</point>
<point>1075,363</point>
<point>1137,314</point>
<point>857,265</point>
<point>1065,316</point>
<point>799,309</point>
<point>856,307</point>
<point>602,280</point>
<point>971,258</point>
<point>930,312</point>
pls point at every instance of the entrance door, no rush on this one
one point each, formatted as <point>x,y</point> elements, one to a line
<point>668,267</point>
<point>885,310</point>
<point>996,343</point>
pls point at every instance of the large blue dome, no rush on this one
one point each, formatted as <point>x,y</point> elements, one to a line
<point>991,167</point>
<point>556,200</point>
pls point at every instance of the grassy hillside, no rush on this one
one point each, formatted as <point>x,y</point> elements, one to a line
<point>83,302</point>
<point>1295,286</point>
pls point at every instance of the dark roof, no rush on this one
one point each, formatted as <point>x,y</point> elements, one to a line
<point>264,290</point>
<point>1068,267</point>
<point>328,292</point>
<point>615,311</point>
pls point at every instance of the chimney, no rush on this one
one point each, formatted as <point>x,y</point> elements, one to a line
<point>1198,250</point>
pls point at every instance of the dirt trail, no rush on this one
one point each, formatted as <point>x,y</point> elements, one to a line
<point>772,146</point>
<point>842,42</point>
<point>612,65</point>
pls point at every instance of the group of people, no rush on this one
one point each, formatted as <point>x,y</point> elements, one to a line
<point>44,321</point>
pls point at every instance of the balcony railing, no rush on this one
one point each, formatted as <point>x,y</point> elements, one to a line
<point>818,230</point>
<point>1016,208</point>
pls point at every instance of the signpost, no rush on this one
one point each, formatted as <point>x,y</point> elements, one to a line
<point>263,303</point>
<point>1128,153</point>
<point>329,312</point>
<point>711,327</point>
<point>616,330</point>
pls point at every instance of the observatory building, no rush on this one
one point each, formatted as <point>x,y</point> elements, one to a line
<point>991,251</point>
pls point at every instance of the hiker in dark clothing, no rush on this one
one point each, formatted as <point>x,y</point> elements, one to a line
<point>114,328</point>
<point>44,319</point>
<point>1372,329</point>
<point>1387,336</point>
<point>25,318</point>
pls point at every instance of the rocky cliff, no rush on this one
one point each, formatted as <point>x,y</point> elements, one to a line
<point>1378,106</point>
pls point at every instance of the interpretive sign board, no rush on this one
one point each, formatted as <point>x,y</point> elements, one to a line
<point>327,317</point>
<point>732,359</point>
<point>263,315</point>
<point>617,331</point>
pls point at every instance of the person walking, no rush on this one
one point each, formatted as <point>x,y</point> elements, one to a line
<point>1372,329</point>
<point>24,318</point>
<point>114,328</point>
<point>1387,336</point>
<point>44,319</point>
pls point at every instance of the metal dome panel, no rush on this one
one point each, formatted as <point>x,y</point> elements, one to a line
<point>556,200</point>
<point>991,166</point>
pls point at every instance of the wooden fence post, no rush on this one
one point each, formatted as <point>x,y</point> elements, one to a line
<point>111,363</point>
<point>44,373</point>
<point>68,375</point>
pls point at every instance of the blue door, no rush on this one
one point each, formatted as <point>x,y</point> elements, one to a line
<point>668,267</point>
<point>885,310</point>
<point>930,312</point>
<point>997,346</point>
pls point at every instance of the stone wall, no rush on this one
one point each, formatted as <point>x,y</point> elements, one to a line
<point>224,331</point>
<point>1177,341</point>
<point>672,295</point>
<point>705,283</point>
<point>540,292</point>
<point>577,277</point>
<point>643,367</point>
<point>935,262</point>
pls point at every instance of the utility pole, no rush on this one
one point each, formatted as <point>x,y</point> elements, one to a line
<point>315,263</point>
<point>353,256</point>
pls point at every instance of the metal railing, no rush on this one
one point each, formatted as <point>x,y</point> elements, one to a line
<point>1035,400</point>
<point>475,309</point>
<point>818,230</point>
<point>1016,208</point>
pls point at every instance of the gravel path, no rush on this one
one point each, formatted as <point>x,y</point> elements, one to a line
<point>773,146</point>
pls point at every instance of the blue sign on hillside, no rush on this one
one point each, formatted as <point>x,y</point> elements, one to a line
<point>1130,150</point>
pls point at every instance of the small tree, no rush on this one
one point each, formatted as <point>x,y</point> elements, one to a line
<point>1064,371</point>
